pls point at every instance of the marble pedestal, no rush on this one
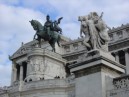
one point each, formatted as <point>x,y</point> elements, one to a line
<point>91,71</point>
<point>44,64</point>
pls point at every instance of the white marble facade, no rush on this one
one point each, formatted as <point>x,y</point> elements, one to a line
<point>38,72</point>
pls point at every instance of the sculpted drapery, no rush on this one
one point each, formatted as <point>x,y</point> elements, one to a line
<point>95,31</point>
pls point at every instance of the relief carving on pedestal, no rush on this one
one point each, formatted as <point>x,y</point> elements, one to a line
<point>36,64</point>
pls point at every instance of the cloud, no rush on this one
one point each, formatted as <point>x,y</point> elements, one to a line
<point>9,1</point>
<point>5,73</point>
<point>71,29</point>
<point>115,11</point>
<point>15,28</point>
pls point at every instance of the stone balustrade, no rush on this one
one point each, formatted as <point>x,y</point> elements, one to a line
<point>3,89</point>
<point>121,82</point>
<point>42,84</point>
<point>121,87</point>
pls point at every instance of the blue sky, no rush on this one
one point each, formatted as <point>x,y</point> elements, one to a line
<point>16,14</point>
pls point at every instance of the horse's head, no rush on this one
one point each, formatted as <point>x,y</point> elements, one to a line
<point>34,24</point>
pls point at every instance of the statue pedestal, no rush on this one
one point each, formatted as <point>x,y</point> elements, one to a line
<point>91,71</point>
<point>44,64</point>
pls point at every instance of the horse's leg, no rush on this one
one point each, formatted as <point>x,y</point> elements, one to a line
<point>52,45</point>
<point>39,40</point>
<point>40,43</point>
<point>58,40</point>
<point>60,30</point>
<point>54,50</point>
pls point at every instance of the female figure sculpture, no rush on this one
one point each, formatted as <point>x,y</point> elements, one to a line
<point>97,30</point>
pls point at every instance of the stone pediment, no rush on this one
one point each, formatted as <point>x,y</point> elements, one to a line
<point>21,51</point>
<point>24,49</point>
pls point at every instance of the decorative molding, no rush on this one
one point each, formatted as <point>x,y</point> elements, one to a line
<point>121,87</point>
<point>87,71</point>
<point>121,45</point>
<point>22,51</point>
<point>119,28</point>
<point>121,82</point>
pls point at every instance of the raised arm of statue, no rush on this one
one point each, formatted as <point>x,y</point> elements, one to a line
<point>101,15</point>
<point>59,20</point>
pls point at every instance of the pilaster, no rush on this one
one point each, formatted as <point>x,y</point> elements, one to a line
<point>127,60</point>
<point>21,71</point>
<point>21,76</point>
<point>14,73</point>
<point>92,71</point>
<point>117,56</point>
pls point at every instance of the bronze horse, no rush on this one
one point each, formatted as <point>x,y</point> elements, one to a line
<point>52,36</point>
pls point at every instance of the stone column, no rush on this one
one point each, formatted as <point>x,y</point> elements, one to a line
<point>117,56</point>
<point>14,73</point>
<point>28,67</point>
<point>127,60</point>
<point>21,77</point>
<point>21,72</point>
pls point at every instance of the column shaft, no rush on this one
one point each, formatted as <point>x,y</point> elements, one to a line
<point>14,73</point>
<point>21,72</point>
<point>127,60</point>
<point>117,56</point>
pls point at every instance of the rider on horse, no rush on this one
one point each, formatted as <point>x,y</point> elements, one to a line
<point>48,26</point>
<point>52,26</point>
<point>48,32</point>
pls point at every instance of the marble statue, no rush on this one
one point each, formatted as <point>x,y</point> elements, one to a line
<point>95,31</point>
<point>84,26</point>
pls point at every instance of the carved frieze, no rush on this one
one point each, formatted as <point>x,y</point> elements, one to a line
<point>122,82</point>
<point>36,63</point>
<point>21,51</point>
<point>121,87</point>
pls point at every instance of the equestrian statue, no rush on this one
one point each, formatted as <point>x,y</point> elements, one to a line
<point>49,32</point>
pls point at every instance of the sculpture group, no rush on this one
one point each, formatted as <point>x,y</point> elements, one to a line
<point>92,26</point>
<point>95,31</point>
<point>49,32</point>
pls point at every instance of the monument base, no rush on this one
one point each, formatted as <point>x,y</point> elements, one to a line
<point>91,71</point>
<point>44,64</point>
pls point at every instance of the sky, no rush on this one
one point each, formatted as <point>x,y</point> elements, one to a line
<point>16,14</point>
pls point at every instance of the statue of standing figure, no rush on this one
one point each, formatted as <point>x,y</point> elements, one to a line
<point>95,31</point>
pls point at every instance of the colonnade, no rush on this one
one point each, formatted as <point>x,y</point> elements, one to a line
<point>17,72</point>
<point>126,56</point>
